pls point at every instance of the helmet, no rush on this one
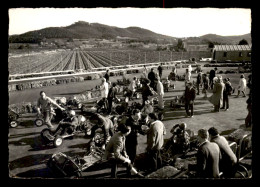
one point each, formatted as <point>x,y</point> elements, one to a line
<point>72,112</point>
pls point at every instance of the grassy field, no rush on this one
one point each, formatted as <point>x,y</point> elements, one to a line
<point>27,153</point>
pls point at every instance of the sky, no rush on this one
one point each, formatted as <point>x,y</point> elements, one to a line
<point>175,22</point>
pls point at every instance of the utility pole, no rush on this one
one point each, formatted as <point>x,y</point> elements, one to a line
<point>159,57</point>
<point>171,55</point>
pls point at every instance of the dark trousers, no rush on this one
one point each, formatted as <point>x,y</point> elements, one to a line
<point>110,103</point>
<point>154,159</point>
<point>225,102</point>
<point>198,88</point>
<point>211,84</point>
<point>189,109</point>
<point>115,164</point>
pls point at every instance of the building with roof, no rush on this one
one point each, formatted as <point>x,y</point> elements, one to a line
<point>235,53</point>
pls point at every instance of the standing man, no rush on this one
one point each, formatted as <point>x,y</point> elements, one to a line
<point>226,92</point>
<point>160,92</point>
<point>146,91</point>
<point>205,81</point>
<point>106,76</point>
<point>208,156</point>
<point>116,151</point>
<point>111,97</point>
<point>155,142</point>
<point>189,97</point>
<point>131,140</point>
<point>44,103</point>
<point>199,81</point>
<point>212,74</point>
<point>217,97</point>
<point>187,76</point>
<point>229,160</point>
<point>242,86</point>
<point>151,77</point>
<point>104,91</point>
<point>160,70</point>
<point>145,72</point>
<point>132,88</point>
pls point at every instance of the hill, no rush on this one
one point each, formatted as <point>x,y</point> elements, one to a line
<point>85,30</point>
<point>219,39</point>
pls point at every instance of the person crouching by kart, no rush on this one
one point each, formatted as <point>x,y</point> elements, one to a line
<point>105,124</point>
<point>68,124</point>
<point>44,103</point>
<point>179,143</point>
<point>116,151</point>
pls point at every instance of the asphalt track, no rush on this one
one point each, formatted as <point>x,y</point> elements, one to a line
<point>27,152</point>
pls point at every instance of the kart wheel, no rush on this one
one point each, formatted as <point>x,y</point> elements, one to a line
<point>38,122</point>
<point>57,141</point>
<point>14,124</point>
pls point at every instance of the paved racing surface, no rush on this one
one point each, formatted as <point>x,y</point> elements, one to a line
<point>27,153</point>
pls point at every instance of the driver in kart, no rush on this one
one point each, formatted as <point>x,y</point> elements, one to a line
<point>45,103</point>
<point>68,124</point>
<point>105,124</point>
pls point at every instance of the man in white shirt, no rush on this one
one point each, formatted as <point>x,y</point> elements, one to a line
<point>104,91</point>
<point>44,105</point>
<point>160,92</point>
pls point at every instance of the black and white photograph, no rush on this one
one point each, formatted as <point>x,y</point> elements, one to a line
<point>130,93</point>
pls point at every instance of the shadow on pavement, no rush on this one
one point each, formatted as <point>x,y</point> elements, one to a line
<point>22,135</point>
<point>38,173</point>
<point>27,161</point>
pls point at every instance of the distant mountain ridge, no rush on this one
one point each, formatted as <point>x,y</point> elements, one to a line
<point>85,30</point>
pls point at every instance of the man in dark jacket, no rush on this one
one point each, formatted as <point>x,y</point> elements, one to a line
<point>226,92</point>
<point>106,76</point>
<point>111,96</point>
<point>151,77</point>
<point>212,74</point>
<point>208,156</point>
<point>228,161</point>
<point>189,96</point>
<point>199,82</point>
<point>131,140</point>
<point>146,91</point>
<point>160,70</point>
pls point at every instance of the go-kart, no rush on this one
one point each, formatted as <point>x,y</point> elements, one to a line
<point>62,165</point>
<point>57,116</point>
<point>13,118</point>
<point>56,137</point>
